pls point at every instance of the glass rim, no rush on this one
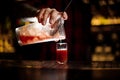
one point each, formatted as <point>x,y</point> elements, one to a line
<point>62,43</point>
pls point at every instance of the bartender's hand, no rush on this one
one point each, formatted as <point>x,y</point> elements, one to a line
<point>44,13</point>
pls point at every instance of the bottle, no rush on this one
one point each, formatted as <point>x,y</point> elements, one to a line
<point>98,49</point>
<point>108,47</point>
<point>1,39</point>
<point>116,45</point>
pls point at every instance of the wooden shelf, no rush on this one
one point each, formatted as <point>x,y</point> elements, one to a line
<point>114,27</point>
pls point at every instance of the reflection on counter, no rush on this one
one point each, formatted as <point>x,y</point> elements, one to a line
<point>49,70</point>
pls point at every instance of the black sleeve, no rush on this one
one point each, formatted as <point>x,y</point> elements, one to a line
<point>22,9</point>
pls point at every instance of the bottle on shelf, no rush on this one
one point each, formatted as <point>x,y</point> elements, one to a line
<point>98,48</point>
<point>116,45</point>
<point>6,36</point>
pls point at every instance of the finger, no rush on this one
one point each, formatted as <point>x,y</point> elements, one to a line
<point>53,16</point>
<point>46,15</point>
<point>65,16</point>
<point>40,15</point>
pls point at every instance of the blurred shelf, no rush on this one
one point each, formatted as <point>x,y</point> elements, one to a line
<point>97,28</point>
<point>8,56</point>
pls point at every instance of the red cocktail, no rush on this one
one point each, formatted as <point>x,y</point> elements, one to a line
<point>61,53</point>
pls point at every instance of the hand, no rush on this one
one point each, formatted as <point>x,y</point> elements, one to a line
<point>51,13</point>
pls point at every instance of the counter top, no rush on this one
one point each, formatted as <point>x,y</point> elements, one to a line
<point>50,70</point>
<point>51,64</point>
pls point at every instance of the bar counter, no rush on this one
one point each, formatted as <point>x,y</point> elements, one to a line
<point>50,70</point>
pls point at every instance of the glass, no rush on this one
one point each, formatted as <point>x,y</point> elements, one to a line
<point>61,52</point>
<point>35,32</point>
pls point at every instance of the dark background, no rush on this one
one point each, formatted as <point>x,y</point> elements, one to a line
<point>77,28</point>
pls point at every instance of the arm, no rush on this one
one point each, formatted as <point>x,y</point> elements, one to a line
<point>25,10</point>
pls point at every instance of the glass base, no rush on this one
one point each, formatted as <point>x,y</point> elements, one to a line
<point>61,62</point>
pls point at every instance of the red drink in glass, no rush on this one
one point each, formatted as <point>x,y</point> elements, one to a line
<point>29,39</point>
<point>61,53</point>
